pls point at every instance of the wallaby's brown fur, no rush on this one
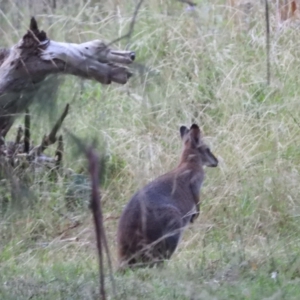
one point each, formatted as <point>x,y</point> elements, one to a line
<point>152,222</point>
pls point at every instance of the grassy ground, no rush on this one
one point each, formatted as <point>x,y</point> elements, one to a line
<point>204,69</point>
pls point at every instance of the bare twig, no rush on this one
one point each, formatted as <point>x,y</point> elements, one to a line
<point>59,152</point>
<point>51,138</point>
<point>268,41</point>
<point>97,212</point>
<point>95,206</point>
<point>52,135</point>
<point>19,135</point>
<point>72,226</point>
<point>13,147</point>
<point>131,27</point>
<point>294,119</point>
<point>27,132</point>
<point>190,3</point>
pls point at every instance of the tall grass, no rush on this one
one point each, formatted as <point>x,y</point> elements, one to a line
<point>203,68</point>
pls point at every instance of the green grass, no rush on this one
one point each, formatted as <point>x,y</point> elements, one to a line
<point>203,69</point>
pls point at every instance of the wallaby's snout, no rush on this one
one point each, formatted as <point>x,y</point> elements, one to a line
<point>152,222</point>
<point>207,157</point>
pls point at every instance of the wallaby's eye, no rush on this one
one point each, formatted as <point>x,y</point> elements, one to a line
<point>206,151</point>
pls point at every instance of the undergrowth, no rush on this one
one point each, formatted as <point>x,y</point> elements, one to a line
<point>195,66</point>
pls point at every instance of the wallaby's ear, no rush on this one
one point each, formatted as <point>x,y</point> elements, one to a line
<point>208,159</point>
<point>183,131</point>
<point>195,126</point>
<point>195,134</point>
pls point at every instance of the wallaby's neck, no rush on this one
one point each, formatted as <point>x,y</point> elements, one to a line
<point>190,169</point>
<point>190,159</point>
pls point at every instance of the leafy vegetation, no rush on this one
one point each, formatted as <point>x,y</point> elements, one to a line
<point>201,67</point>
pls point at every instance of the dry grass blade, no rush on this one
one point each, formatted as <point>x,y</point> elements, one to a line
<point>52,135</point>
<point>206,66</point>
<point>267,16</point>
<point>131,27</point>
<point>294,119</point>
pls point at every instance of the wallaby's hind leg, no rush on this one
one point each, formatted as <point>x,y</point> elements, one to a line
<point>163,248</point>
<point>171,227</point>
<point>153,241</point>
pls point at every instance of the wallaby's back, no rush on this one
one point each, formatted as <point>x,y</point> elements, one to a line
<point>152,222</point>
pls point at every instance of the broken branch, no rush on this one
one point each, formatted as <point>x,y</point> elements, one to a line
<point>19,135</point>
<point>51,137</point>
<point>25,66</point>
<point>59,152</point>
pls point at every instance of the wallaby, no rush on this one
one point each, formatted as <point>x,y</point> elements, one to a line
<point>152,222</point>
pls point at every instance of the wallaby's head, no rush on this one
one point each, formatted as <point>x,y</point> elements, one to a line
<point>195,150</point>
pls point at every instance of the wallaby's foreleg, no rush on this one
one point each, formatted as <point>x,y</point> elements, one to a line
<point>196,214</point>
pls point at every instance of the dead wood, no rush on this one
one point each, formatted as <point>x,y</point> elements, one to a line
<point>19,151</point>
<point>49,139</point>
<point>25,67</point>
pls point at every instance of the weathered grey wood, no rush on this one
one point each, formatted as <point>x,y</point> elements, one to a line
<point>25,67</point>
